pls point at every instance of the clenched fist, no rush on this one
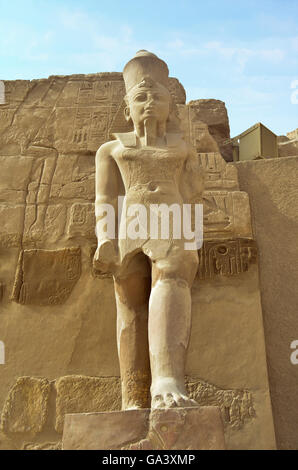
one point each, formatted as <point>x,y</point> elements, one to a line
<point>105,258</point>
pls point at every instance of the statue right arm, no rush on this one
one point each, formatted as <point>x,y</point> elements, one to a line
<point>107,192</point>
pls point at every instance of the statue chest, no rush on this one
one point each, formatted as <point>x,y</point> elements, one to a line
<point>146,164</point>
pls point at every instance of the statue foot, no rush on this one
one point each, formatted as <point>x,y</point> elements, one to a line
<point>169,393</point>
<point>132,407</point>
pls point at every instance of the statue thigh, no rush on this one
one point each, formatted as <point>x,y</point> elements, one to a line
<point>179,265</point>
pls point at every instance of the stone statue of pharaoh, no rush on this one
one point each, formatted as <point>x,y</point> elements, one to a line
<point>150,166</point>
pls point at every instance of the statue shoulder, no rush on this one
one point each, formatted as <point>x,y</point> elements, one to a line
<point>126,139</point>
<point>107,149</point>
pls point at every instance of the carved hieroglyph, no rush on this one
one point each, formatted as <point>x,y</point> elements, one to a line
<point>226,257</point>
<point>58,272</point>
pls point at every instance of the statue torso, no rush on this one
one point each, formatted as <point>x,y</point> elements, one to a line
<point>152,174</point>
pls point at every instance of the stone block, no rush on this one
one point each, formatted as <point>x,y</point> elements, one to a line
<point>26,407</point>
<point>272,186</point>
<point>226,214</point>
<point>11,222</point>
<point>194,428</point>
<point>14,177</point>
<point>79,394</point>
<point>46,277</point>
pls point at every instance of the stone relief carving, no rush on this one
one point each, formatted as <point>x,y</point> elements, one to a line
<point>58,273</point>
<point>28,404</point>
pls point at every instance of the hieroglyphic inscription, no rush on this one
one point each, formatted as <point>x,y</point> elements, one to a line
<point>82,221</point>
<point>58,271</point>
<point>218,175</point>
<point>236,406</point>
<point>226,257</point>
<point>226,214</point>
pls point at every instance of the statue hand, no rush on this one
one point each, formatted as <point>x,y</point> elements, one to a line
<point>105,258</point>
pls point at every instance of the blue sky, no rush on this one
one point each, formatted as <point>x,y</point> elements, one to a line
<point>242,52</point>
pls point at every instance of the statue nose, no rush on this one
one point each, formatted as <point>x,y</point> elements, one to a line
<point>150,99</point>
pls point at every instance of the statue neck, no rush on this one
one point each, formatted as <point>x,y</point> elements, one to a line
<point>151,133</point>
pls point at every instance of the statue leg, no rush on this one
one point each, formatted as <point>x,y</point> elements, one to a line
<point>169,327</point>
<point>132,290</point>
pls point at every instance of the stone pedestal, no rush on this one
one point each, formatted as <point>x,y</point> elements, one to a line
<point>198,428</point>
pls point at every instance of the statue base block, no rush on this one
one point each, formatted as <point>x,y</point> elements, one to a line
<point>197,428</point>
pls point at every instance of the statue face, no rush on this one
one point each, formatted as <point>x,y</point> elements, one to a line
<point>147,103</point>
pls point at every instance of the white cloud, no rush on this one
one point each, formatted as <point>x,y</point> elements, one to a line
<point>237,57</point>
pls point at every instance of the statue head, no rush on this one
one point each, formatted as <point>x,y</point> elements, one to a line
<point>146,82</point>
<point>145,64</point>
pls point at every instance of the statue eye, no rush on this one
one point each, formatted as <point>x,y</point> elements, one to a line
<point>140,97</point>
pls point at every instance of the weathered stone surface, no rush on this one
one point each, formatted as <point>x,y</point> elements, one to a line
<point>79,394</point>
<point>171,429</point>
<point>293,134</point>
<point>2,287</point>
<point>6,443</point>
<point>183,428</point>
<point>214,114</point>
<point>117,429</point>
<point>53,158</point>
<point>236,405</point>
<point>82,221</point>
<point>272,186</point>
<point>12,223</point>
<point>58,271</point>
<point>14,178</point>
<point>43,446</point>
<point>225,309</point>
<point>226,215</point>
<point>196,131</point>
<point>287,147</point>
<point>218,175</point>
<point>61,144</point>
<point>68,113</point>
<point>26,407</point>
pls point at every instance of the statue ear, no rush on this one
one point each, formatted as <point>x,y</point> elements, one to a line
<point>127,113</point>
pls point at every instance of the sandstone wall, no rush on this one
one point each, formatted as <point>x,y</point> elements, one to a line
<point>214,114</point>
<point>288,147</point>
<point>58,317</point>
<point>272,186</point>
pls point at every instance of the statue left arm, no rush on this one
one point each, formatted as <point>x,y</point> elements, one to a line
<point>192,180</point>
